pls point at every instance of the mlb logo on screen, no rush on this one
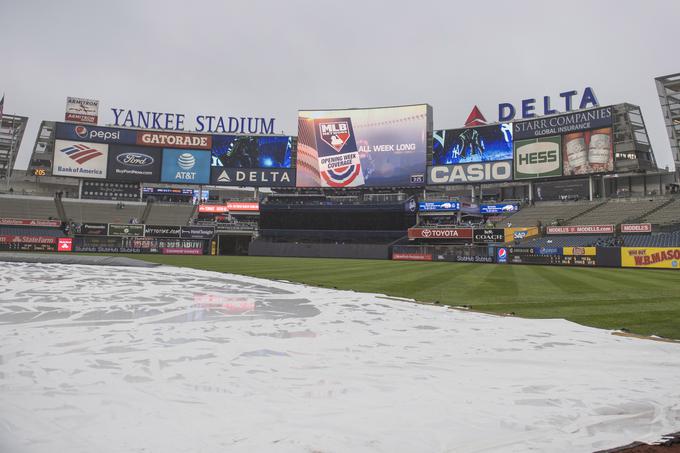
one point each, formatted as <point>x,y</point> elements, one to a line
<point>502,255</point>
<point>335,133</point>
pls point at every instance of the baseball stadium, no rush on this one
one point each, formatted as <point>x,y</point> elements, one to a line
<point>357,264</point>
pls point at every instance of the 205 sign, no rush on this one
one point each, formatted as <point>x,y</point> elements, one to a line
<point>39,172</point>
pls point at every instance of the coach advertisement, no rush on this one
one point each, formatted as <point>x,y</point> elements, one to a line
<point>488,235</point>
<point>538,158</point>
<point>651,257</point>
<point>470,173</point>
<point>185,166</point>
<point>80,160</point>
<point>374,147</point>
<point>134,163</point>
<point>95,134</point>
<point>563,124</point>
<point>440,233</point>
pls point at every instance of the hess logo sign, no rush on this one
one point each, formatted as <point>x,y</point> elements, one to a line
<point>538,159</point>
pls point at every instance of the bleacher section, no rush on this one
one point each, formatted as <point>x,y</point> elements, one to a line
<point>27,207</point>
<point>565,241</point>
<point>548,213</point>
<point>618,210</point>
<point>87,211</point>
<point>667,215</point>
<point>170,214</point>
<point>30,231</point>
<point>671,239</point>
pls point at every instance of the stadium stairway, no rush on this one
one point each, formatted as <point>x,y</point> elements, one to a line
<point>667,213</point>
<point>585,212</point>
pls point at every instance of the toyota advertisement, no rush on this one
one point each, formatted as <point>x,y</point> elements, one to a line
<point>134,163</point>
<point>375,147</point>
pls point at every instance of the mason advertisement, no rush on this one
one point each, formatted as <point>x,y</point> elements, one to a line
<point>538,158</point>
<point>470,173</point>
<point>651,257</point>
<point>253,177</point>
<point>563,124</point>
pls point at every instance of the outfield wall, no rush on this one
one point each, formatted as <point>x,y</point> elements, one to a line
<point>362,251</point>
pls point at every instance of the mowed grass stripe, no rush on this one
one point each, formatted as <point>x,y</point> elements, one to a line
<point>644,301</point>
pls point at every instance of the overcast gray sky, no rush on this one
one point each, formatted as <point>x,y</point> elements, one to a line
<point>271,58</point>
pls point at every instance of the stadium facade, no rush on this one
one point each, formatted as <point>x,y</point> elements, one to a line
<point>668,88</point>
<point>12,128</point>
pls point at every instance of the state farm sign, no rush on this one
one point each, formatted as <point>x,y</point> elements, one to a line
<point>440,233</point>
<point>162,139</point>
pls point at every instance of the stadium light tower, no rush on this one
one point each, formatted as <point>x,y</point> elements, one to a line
<point>669,95</point>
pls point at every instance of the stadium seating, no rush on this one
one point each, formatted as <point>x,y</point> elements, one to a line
<point>548,213</point>
<point>30,231</point>
<point>564,241</point>
<point>669,239</point>
<point>170,214</point>
<point>27,207</point>
<point>666,215</point>
<point>618,210</point>
<point>87,211</point>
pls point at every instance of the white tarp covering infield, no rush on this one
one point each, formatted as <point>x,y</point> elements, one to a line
<point>112,359</point>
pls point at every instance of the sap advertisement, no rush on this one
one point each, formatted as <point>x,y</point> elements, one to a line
<point>134,163</point>
<point>378,147</point>
<point>498,208</point>
<point>472,155</point>
<point>253,161</point>
<point>185,166</point>
<point>438,206</point>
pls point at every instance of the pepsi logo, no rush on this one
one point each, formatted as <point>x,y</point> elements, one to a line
<point>81,131</point>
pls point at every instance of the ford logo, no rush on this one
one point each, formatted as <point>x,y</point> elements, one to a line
<point>135,159</point>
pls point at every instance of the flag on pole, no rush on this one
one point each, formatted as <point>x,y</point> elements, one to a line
<point>2,105</point>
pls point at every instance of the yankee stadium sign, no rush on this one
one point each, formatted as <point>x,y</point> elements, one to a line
<point>202,123</point>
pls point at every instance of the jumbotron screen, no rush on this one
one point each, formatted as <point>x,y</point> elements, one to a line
<point>376,147</point>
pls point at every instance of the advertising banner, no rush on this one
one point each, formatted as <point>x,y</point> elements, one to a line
<point>65,245</point>
<point>185,166</point>
<point>563,124</point>
<point>251,152</point>
<point>488,235</point>
<point>440,233</point>
<point>92,229</point>
<point>166,191</point>
<point>580,229</point>
<point>125,230</point>
<point>651,257</point>
<point>588,152</point>
<point>197,232</point>
<point>636,228</point>
<point>173,140</point>
<point>81,110</point>
<point>252,177</point>
<point>10,239</point>
<point>538,158</point>
<point>181,251</point>
<point>472,144</point>
<point>379,147</point>
<point>95,134</point>
<point>81,160</point>
<point>134,163</point>
<point>470,173</point>
<point>230,206</point>
<point>412,256</point>
<point>579,251</point>
<point>426,206</point>
<point>498,208</point>
<point>30,222</point>
<point>519,233</point>
<point>162,231</point>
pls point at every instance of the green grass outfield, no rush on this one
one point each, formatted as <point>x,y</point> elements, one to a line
<point>643,301</point>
